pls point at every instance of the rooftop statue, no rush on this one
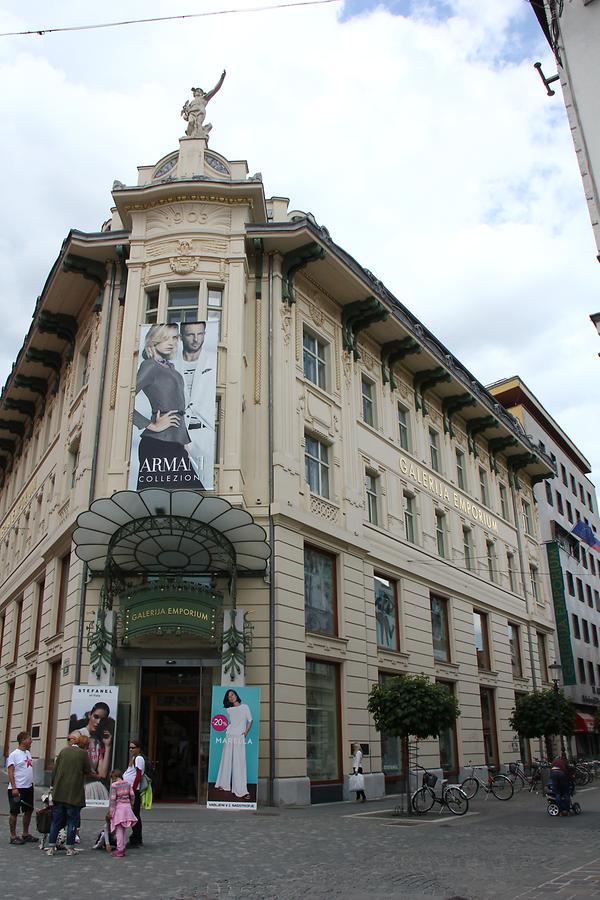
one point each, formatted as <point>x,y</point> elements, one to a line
<point>194,111</point>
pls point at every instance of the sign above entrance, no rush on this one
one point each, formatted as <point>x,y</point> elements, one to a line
<point>172,608</point>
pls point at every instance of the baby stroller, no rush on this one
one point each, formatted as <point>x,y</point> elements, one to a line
<point>553,808</point>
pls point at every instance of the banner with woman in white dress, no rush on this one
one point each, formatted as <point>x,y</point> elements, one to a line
<point>233,758</point>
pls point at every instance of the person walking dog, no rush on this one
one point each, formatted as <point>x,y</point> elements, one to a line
<point>19,767</point>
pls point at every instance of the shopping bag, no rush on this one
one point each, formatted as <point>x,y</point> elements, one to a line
<point>356,782</point>
<point>146,797</point>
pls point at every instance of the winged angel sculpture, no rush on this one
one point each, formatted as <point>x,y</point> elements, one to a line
<point>194,111</point>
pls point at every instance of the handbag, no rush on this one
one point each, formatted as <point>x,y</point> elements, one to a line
<point>356,782</point>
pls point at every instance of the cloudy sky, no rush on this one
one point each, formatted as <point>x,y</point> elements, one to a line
<point>417,131</point>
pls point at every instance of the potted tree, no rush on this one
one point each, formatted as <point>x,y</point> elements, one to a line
<point>411,705</point>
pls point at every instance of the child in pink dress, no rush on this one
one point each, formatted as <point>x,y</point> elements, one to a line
<point>120,812</point>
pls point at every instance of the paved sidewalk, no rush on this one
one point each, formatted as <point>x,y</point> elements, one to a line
<point>499,851</point>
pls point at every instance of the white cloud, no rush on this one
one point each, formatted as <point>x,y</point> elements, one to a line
<point>437,162</point>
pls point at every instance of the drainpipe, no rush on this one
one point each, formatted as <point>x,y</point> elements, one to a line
<point>272,544</point>
<point>85,573</point>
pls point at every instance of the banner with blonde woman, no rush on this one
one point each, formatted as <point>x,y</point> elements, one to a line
<point>173,436</point>
<point>94,714</point>
<point>233,756</point>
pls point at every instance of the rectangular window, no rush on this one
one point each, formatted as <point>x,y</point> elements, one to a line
<point>591,675</point>
<point>440,532</point>
<point>581,667</point>
<point>434,451</point>
<point>576,631</point>
<point>483,487</point>
<point>31,681</point>
<point>594,634</point>
<point>542,656</point>
<point>404,427</point>
<point>8,710</point>
<point>589,502</point>
<point>372,499</point>
<point>488,726</point>
<point>447,740</point>
<point>73,464</point>
<point>512,575</point>
<point>588,593</point>
<point>63,588</point>
<point>17,619</point>
<point>468,548</point>
<point>409,517</point>
<point>84,367</point>
<point>316,466</point>
<point>584,560</point>
<point>586,631</point>
<point>563,475</point>
<point>535,586</point>
<point>322,721</point>
<point>482,644</point>
<point>214,312</point>
<point>504,502</point>
<point>491,559</point>
<point>549,493</point>
<point>597,600</point>
<point>514,641</point>
<point>527,520</point>
<point>573,485</point>
<point>569,512</point>
<point>386,613</point>
<point>314,359</point>
<point>439,629</point>
<point>391,749</point>
<point>52,724</point>
<point>320,591</point>
<point>151,312</point>
<point>570,584</point>
<point>460,470</point>
<point>182,304</point>
<point>559,503</point>
<point>368,402</point>
<point>592,565</point>
<point>579,584</point>
<point>581,493</point>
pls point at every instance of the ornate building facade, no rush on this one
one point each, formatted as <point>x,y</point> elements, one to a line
<point>371,510</point>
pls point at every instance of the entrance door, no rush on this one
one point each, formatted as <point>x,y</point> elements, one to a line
<point>171,732</point>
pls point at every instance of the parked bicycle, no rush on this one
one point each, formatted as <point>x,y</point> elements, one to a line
<point>519,778</point>
<point>452,797</point>
<point>498,785</point>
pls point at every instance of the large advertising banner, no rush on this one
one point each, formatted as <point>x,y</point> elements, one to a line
<point>173,435</point>
<point>233,755</point>
<point>94,714</point>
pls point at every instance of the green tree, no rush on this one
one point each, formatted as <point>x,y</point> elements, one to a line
<point>411,705</point>
<point>543,714</point>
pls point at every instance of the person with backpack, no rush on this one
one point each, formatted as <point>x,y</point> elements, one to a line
<point>134,774</point>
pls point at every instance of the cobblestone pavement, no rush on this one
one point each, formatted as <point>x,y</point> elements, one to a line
<point>504,851</point>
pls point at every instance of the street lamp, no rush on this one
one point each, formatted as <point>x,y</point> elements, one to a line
<point>555,673</point>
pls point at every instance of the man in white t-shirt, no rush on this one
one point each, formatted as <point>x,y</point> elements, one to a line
<point>19,767</point>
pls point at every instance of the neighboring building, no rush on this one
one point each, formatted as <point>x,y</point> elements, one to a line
<point>393,493</point>
<point>572,570</point>
<point>573,31</point>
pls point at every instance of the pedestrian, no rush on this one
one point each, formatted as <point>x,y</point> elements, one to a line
<point>134,775</point>
<point>19,767</point>
<point>357,770</point>
<point>120,813</point>
<point>561,784</point>
<point>71,770</point>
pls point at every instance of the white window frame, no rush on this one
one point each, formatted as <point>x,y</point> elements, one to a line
<point>318,356</point>
<point>321,461</point>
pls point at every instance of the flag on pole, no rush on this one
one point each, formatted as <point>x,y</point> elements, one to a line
<point>586,534</point>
